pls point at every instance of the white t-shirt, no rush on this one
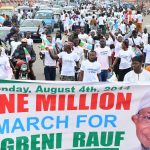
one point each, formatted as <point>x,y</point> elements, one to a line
<point>48,61</point>
<point>139,18</point>
<point>147,51</point>
<point>29,15</point>
<point>91,69</point>
<point>137,41</point>
<point>79,51</point>
<point>132,27</point>
<point>68,63</point>
<point>109,42</point>
<point>19,16</point>
<point>89,19</point>
<point>14,46</point>
<point>145,38</point>
<point>30,42</point>
<point>122,27</point>
<point>90,40</point>
<point>125,59</point>
<point>58,41</point>
<point>103,56</point>
<point>118,47</point>
<point>83,36</point>
<point>82,22</point>
<point>5,69</point>
<point>131,76</point>
<point>101,20</point>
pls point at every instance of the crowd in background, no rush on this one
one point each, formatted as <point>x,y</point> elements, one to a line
<point>91,45</point>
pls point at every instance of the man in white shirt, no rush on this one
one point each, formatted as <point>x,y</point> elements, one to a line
<point>19,15</point>
<point>101,21</point>
<point>49,62</point>
<point>139,21</point>
<point>83,36</point>
<point>122,28</point>
<point>136,40</point>
<point>147,53</point>
<point>138,74</point>
<point>29,40</point>
<point>5,69</point>
<point>145,36</point>
<point>131,26</point>
<point>90,69</point>
<point>104,58</point>
<point>14,44</point>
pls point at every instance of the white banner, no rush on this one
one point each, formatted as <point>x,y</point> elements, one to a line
<point>74,116</point>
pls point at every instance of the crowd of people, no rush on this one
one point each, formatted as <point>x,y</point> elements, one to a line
<point>91,46</point>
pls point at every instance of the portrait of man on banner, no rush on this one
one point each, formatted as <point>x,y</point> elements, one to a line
<point>142,123</point>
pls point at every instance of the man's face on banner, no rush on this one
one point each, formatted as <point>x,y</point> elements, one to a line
<point>142,122</point>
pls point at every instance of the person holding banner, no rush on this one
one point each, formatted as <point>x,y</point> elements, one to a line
<point>138,74</point>
<point>142,123</point>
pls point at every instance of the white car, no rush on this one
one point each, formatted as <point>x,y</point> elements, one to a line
<point>56,9</point>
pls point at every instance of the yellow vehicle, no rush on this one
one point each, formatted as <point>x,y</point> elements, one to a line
<point>7,10</point>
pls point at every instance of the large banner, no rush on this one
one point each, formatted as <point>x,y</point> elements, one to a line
<point>74,116</point>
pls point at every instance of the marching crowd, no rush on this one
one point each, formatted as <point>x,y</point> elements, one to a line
<point>92,45</point>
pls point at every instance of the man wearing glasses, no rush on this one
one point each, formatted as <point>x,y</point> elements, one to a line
<point>142,123</point>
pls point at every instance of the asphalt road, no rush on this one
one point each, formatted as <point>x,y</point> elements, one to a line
<point>38,65</point>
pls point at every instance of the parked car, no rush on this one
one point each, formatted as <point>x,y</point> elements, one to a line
<point>3,32</point>
<point>128,5</point>
<point>44,8</point>
<point>68,8</point>
<point>47,16</point>
<point>21,8</point>
<point>57,19</point>
<point>32,25</point>
<point>7,10</point>
<point>57,9</point>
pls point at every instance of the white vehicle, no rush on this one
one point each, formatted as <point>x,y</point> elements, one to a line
<point>56,9</point>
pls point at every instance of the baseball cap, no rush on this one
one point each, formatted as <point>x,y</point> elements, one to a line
<point>24,40</point>
<point>145,101</point>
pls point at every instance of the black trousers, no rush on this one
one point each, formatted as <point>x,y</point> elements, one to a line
<point>50,73</point>
<point>122,73</point>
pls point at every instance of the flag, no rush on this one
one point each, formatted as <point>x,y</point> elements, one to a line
<point>27,55</point>
<point>86,45</point>
<point>51,46</point>
<point>136,51</point>
<point>42,46</point>
<point>82,44</point>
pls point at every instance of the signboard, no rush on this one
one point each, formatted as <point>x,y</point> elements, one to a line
<point>74,116</point>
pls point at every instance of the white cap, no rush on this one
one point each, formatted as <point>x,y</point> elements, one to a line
<point>145,101</point>
<point>119,35</point>
<point>24,40</point>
